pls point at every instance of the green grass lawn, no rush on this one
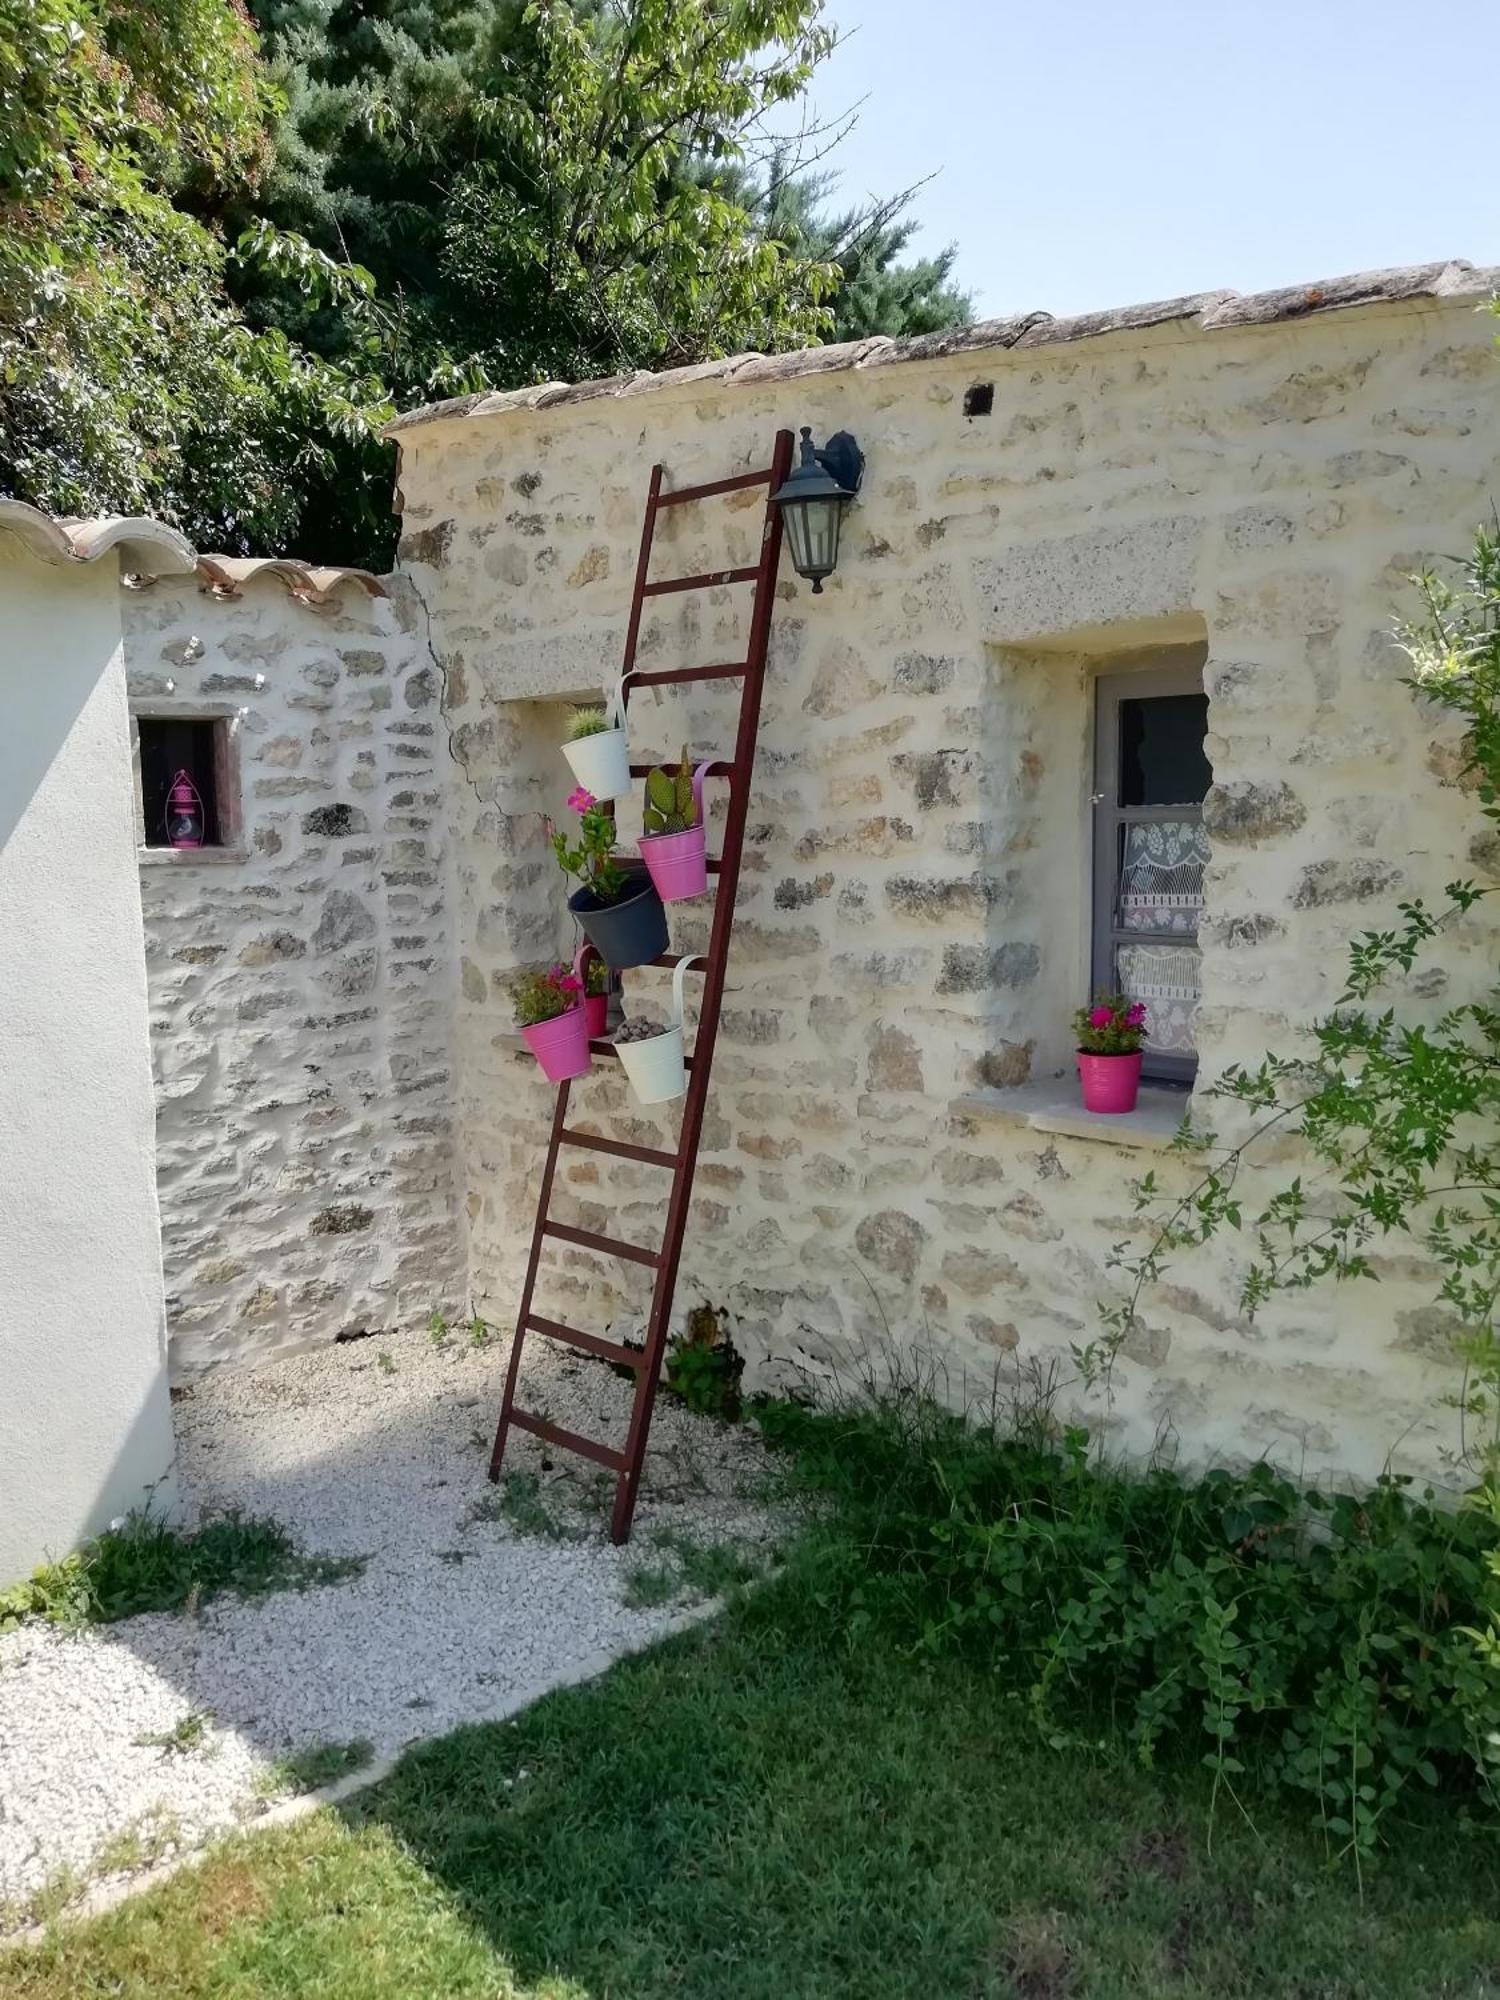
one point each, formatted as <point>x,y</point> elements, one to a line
<point>757,1811</point>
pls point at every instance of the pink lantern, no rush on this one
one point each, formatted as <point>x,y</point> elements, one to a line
<point>184,817</point>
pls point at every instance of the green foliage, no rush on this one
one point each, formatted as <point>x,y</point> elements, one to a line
<point>1338,1649</point>
<point>585,722</point>
<point>596,977</point>
<point>188,1734</point>
<point>146,1565</point>
<point>704,1367</point>
<point>670,804</point>
<point>542,993</point>
<point>1111,1025</point>
<point>522,1505</point>
<point>590,854</point>
<point>1397,1114</point>
<point>130,383</point>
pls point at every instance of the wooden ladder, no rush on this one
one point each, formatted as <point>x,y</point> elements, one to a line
<point>645,1363</point>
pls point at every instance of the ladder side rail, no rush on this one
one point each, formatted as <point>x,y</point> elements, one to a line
<point>709,1005</point>
<point>538,1233</point>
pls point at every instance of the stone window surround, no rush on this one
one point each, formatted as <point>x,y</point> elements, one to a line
<point>231,845</point>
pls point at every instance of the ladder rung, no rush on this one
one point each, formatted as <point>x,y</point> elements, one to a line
<point>590,1240</point>
<point>670,677</point>
<point>591,1343</point>
<point>652,1156</point>
<point>706,492</point>
<point>602,1454</point>
<point>716,770</point>
<point>710,580</point>
<point>599,1048</point>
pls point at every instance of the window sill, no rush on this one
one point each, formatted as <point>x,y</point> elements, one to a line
<point>189,857</point>
<point>1151,1127</point>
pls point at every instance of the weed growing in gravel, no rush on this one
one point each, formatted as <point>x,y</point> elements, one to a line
<point>480,1335</point>
<point>650,1585</point>
<point>519,1503</point>
<point>438,1331</point>
<point>141,1844</point>
<point>314,1766</point>
<point>146,1565</point>
<point>187,1735</point>
<point>385,1361</point>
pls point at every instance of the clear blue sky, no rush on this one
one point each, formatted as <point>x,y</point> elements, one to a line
<point>1097,154</point>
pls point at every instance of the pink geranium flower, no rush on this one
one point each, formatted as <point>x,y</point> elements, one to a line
<point>1100,1017</point>
<point>568,984</point>
<point>580,800</point>
<point>1135,1015</point>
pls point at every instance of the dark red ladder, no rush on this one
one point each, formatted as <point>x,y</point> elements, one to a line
<point>646,1362</point>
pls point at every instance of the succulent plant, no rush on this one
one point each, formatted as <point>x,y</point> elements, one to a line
<point>586,722</point>
<point>670,804</point>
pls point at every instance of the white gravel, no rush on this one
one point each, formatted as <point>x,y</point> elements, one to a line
<point>454,1620</point>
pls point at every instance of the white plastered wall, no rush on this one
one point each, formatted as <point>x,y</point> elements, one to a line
<point>83,1383</point>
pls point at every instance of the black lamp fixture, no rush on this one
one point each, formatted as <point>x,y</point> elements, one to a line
<point>813,499</point>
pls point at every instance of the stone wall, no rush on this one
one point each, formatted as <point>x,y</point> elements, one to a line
<point>892,1160</point>
<point>301,979</point>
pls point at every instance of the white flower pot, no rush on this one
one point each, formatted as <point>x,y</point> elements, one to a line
<point>601,763</point>
<point>655,1068</point>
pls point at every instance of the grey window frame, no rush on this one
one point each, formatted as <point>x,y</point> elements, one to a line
<point>1110,690</point>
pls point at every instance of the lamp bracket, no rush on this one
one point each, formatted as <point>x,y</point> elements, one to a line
<point>842,459</point>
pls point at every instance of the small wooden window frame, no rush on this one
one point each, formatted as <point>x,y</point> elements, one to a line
<point>1110,690</point>
<point>230,845</point>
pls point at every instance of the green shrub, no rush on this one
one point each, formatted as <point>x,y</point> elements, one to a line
<point>1343,1647</point>
<point>704,1367</point>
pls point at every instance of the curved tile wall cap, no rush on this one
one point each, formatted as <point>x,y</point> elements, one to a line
<point>147,547</point>
<point>226,576</point>
<point>1207,312</point>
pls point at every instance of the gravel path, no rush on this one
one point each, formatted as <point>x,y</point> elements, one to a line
<point>376,1448</point>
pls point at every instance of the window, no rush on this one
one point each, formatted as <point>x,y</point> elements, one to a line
<point>1150,775</point>
<point>170,746</point>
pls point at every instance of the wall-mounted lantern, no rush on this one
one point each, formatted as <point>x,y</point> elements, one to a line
<point>184,813</point>
<point>813,500</point>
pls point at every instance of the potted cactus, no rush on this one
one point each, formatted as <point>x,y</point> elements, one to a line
<point>616,903</point>
<point>1110,1033</point>
<point>595,746</point>
<point>549,1012</point>
<point>672,843</point>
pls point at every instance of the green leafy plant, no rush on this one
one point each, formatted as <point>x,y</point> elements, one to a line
<point>1111,1026</point>
<point>1340,1649</point>
<point>543,993</point>
<point>314,1766</point>
<point>590,855</point>
<point>596,977</point>
<point>704,1368</point>
<point>670,804</point>
<point>187,1735</point>
<point>438,1330</point>
<point>585,722</point>
<point>144,1564</point>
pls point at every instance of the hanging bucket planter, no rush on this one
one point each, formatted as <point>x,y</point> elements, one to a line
<point>560,1045</point>
<point>1110,1083</point>
<point>632,930</point>
<point>601,762</point>
<point>655,1065</point>
<point>679,861</point>
<point>595,1005</point>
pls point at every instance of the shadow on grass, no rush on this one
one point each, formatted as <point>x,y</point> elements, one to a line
<point>744,1813</point>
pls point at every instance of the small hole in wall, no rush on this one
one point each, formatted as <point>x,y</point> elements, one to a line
<point>979,400</point>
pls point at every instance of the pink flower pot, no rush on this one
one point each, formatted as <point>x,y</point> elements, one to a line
<point>677,863</point>
<point>1110,1083</point>
<point>560,1045</point>
<point>596,1014</point>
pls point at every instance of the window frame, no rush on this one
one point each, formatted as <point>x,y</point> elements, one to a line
<point>1110,691</point>
<point>228,798</point>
